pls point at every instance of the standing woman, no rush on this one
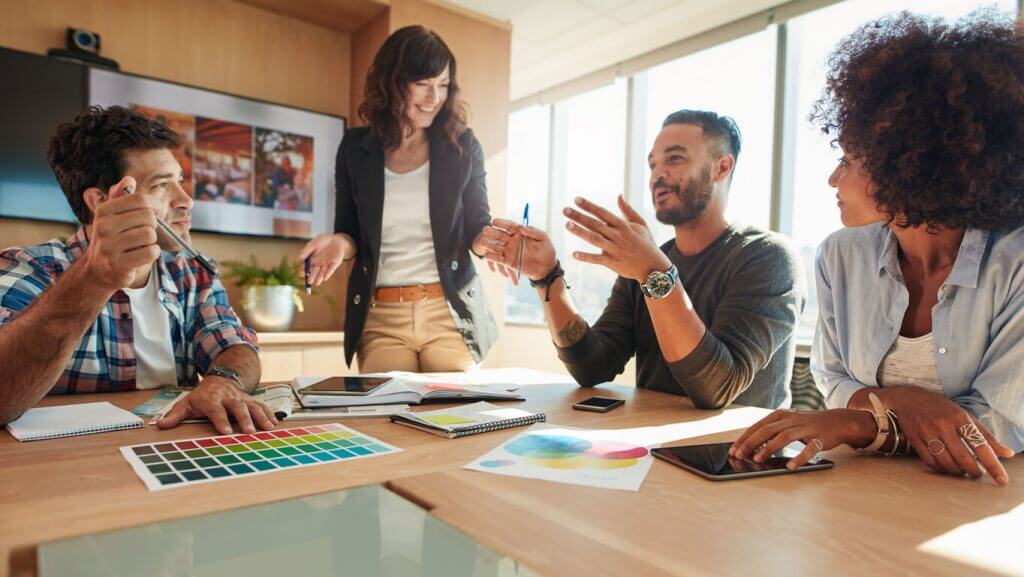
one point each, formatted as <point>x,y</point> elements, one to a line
<point>411,205</point>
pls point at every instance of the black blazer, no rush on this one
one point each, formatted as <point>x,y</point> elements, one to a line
<point>458,212</point>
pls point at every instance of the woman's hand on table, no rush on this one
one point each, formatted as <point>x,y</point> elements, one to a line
<point>819,430</point>
<point>940,432</point>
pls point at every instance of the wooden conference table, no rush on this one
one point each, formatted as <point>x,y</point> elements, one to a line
<point>868,516</point>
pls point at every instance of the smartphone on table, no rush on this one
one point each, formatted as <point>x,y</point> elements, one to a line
<point>598,404</point>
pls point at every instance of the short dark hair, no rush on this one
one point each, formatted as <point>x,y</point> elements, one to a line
<point>933,111</point>
<point>90,150</point>
<point>410,54</point>
<point>717,127</point>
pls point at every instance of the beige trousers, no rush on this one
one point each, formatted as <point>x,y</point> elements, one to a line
<point>418,336</point>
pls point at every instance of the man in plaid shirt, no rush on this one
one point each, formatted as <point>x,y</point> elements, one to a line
<point>115,307</point>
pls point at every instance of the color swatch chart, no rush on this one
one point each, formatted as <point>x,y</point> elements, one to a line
<point>180,463</point>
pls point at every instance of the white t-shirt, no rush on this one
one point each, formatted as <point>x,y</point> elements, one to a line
<point>407,243</point>
<point>151,326</point>
<point>911,361</point>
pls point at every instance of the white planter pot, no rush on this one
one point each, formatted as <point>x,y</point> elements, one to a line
<point>268,308</point>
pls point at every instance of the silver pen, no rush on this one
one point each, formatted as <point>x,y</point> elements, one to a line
<point>181,242</point>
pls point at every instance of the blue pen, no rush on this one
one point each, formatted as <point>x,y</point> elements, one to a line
<point>522,240</point>
<point>309,287</point>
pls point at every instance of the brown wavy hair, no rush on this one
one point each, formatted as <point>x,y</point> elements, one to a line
<point>410,54</point>
<point>935,112</point>
<point>91,150</point>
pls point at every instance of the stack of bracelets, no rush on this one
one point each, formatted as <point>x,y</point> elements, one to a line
<point>896,449</point>
<point>887,422</point>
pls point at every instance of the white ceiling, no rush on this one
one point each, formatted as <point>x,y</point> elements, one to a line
<point>554,41</point>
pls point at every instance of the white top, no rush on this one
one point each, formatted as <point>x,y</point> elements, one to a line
<point>151,327</point>
<point>407,243</point>
<point>911,361</point>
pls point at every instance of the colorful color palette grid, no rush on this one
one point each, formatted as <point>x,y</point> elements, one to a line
<point>180,463</point>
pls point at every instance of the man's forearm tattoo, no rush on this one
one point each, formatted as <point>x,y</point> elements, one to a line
<point>572,332</point>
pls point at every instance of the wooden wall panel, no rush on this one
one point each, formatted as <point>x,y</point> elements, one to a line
<point>217,44</point>
<point>365,43</point>
<point>342,15</point>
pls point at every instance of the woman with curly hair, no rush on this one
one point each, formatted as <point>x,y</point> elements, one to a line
<point>411,204</point>
<point>919,347</point>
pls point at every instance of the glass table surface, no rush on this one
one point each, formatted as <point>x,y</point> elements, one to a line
<point>364,532</point>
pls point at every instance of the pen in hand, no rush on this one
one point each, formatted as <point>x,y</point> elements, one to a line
<point>309,287</point>
<point>522,240</point>
<point>202,260</point>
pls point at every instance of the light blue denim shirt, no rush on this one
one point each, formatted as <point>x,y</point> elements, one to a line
<point>977,325</point>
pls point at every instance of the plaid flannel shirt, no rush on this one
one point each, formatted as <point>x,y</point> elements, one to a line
<point>202,322</point>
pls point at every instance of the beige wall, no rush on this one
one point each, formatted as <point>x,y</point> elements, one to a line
<point>216,44</point>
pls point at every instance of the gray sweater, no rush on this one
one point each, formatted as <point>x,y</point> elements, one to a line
<point>747,287</point>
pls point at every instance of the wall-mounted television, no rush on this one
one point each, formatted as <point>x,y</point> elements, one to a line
<point>253,167</point>
<point>41,93</point>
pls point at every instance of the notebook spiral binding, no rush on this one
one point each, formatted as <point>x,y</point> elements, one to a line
<point>498,425</point>
<point>74,432</point>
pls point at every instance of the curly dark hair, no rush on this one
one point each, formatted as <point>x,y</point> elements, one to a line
<point>410,54</point>
<point>90,150</point>
<point>935,112</point>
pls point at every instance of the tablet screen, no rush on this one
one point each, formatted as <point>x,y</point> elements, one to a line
<point>714,461</point>
<point>345,386</point>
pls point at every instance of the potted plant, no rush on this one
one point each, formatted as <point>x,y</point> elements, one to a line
<point>269,295</point>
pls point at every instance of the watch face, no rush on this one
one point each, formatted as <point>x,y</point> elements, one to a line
<point>659,284</point>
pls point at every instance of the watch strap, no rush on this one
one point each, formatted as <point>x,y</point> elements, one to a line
<point>546,282</point>
<point>227,374</point>
<point>878,411</point>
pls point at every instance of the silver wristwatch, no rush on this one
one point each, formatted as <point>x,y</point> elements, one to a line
<point>659,284</point>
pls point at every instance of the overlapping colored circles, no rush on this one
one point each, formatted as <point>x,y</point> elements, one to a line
<point>567,452</point>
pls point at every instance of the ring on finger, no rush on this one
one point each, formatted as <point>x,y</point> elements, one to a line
<point>818,447</point>
<point>970,433</point>
<point>936,447</point>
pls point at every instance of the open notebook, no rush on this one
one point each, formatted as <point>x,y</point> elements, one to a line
<point>70,420</point>
<point>467,420</point>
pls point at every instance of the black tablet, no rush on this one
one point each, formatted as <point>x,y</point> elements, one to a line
<point>345,386</point>
<point>713,462</point>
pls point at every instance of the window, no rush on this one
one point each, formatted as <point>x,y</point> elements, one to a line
<point>529,137</point>
<point>735,79</point>
<point>577,147</point>
<point>590,137</point>
<point>811,38</point>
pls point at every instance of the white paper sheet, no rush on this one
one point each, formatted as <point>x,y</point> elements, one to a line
<point>567,455</point>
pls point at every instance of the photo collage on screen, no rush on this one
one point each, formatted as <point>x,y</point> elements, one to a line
<point>232,163</point>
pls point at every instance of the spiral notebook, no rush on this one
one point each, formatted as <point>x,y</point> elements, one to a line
<point>70,420</point>
<point>471,419</point>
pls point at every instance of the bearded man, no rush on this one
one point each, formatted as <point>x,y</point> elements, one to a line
<point>710,314</point>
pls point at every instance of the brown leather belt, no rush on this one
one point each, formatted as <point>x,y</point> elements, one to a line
<point>404,294</point>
